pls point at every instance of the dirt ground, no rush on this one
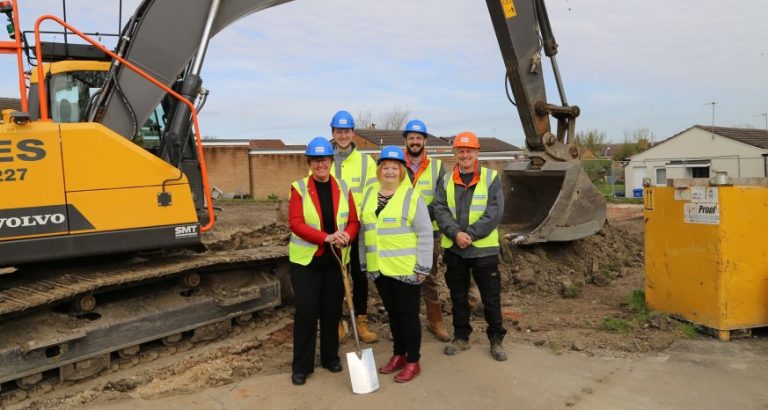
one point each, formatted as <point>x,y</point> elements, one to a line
<point>556,298</point>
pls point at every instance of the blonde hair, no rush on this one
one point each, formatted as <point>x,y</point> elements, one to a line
<point>403,171</point>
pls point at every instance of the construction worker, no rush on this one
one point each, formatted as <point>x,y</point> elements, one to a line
<point>425,174</point>
<point>357,170</point>
<point>468,208</point>
<point>321,214</point>
<point>396,251</point>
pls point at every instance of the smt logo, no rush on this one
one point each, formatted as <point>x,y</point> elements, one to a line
<point>32,220</point>
<point>188,231</point>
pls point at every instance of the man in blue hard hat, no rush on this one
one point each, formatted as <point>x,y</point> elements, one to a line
<point>425,174</point>
<point>357,170</point>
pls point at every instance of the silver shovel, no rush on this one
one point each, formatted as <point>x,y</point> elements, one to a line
<point>361,364</point>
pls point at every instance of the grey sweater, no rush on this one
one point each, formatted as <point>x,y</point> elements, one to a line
<point>481,228</point>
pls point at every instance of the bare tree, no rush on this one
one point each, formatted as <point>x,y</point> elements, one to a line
<point>394,118</point>
<point>364,119</point>
<point>635,142</point>
<point>592,140</point>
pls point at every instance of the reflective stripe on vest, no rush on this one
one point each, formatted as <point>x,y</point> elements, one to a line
<point>476,208</point>
<point>354,171</point>
<point>390,241</point>
<point>427,184</point>
<point>301,251</point>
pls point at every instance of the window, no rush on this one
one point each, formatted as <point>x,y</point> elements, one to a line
<point>72,92</point>
<point>661,176</point>
<point>700,172</point>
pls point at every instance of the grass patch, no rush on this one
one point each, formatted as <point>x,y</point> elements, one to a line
<point>687,330</point>
<point>636,305</point>
<point>608,190</point>
<point>616,324</point>
<point>636,301</point>
<point>638,201</point>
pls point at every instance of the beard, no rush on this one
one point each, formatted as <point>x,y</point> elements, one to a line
<point>415,151</point>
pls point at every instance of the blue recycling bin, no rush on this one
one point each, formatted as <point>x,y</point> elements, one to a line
<point>637,192</point>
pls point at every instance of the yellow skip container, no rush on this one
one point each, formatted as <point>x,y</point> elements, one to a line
<point>706,254</point>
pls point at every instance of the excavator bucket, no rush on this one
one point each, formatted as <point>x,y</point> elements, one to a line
<point>556,202</point>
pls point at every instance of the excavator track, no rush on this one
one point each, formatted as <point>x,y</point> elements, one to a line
<point>189,297</point>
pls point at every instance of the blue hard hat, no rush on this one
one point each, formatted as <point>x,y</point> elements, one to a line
<point>415,126</point>
<point>391,152</point>
<point>342,119</point>
<point>319,147</point>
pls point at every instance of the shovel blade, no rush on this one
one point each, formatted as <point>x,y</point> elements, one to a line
<point>362,372</point>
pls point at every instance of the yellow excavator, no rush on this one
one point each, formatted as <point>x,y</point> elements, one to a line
<point>104,158</point>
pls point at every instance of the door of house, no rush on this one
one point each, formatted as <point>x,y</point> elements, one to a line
<point>637,177</point>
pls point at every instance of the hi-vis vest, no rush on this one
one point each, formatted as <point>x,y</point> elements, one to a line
<point>476,208</point>
<point>390,241</point>
<point>301,251</point>
<point>357,170</point>
<point>427,183</point>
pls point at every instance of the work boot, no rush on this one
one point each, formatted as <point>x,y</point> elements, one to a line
<point>497,351</point>
<point>395,363</point>
<point>409,372</point>
<point>435,322</point>
<point>456,347</point>
<point>366,336</point>
<point>342,330</point>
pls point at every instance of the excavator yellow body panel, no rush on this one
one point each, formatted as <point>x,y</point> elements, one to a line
<point>83,187</point>
<point>705,253</point>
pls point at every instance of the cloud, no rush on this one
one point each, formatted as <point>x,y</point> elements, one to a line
<point>282,72</point>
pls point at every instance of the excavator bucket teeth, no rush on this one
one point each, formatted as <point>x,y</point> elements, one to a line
<point>556,202</point>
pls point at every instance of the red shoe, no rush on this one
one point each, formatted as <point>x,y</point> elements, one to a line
<point>409,372</point>
<point>395,363</point>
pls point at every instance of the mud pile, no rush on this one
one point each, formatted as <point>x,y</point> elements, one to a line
<point>268,235</point>
<point>564,268</point>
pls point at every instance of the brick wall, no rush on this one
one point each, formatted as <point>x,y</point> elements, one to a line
<point>228,169</point>
<point>363,143</point>
<point>274,173</point>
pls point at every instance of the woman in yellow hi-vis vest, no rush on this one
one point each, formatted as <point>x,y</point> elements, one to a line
<point>396,251</point>
<point>321,214</point>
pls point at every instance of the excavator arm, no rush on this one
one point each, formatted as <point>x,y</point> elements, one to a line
<point>168,39</point>
<point>552,198</point>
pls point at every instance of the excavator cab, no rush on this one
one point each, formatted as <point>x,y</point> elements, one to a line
<point>549,197</point>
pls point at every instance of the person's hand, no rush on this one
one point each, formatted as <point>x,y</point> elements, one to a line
<point>420,277</point>
<point>463,240</point>
<point>332,237</point>
<point>342,239</point>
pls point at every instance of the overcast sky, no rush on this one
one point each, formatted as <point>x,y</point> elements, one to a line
<point>283,72</point>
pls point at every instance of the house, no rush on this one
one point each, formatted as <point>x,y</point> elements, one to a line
<point>700,151</point>
<point>265,168</point>
<point>371,140</point>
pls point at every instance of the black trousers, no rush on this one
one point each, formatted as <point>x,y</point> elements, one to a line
<point>359,282</point>
<point>402,303</point>
<point>485,270</point>
<point>319,292</point>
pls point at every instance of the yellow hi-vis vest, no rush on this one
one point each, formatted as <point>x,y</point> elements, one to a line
<point>301,251</point>
<point>357,170</point>
<point>426,184</point>
<point>476,208</point>
<point>390,241</point>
